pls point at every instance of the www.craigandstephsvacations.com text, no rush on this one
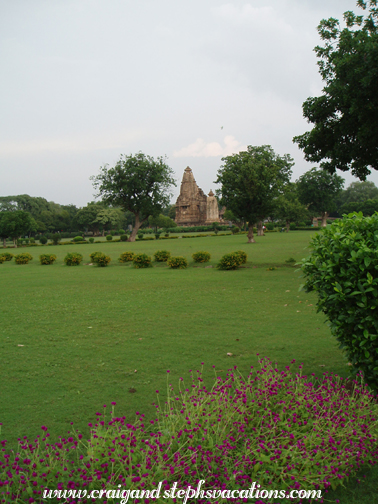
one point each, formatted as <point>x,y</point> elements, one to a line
<point>186,495</point>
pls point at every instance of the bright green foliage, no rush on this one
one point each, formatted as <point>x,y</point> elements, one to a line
<point>109,237</point>
<point>342,269</point>
<point>242,255</point>
<point>230,261</point>
<point>251,181</point>
<point>177,262</point>
<point>126,257</point>
<point>8,255</point>
<point>345,116</point>
<point>318,189</point>
<point>123,237</point>
<point>91,239</point>
<point>101,260</point>
<point>47,258</point>
<point>142,261</point>
<point>162,255</point>
<point>23,258</point>
<point>138,184</point>
<point>201,256</point>
<point>78,239</point>
<point>73,259</point>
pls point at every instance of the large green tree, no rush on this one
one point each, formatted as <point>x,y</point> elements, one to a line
<point>288,207</point>
<point>318,190</point>
<point>138,184</point>
<point>251,180</point>
<point>345,116</point>
<point>16,224</point>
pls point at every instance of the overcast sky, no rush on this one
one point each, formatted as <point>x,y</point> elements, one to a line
<point>83,81</point>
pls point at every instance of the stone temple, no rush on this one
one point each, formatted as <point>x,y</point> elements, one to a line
<point>193,207</point>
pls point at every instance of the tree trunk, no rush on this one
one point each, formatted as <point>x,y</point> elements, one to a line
<point>15,242</point>
<point>136,227</point>
<point>4,242</point>
<point>250,234</point>
<point>324,219</point>
<point>260,231</point>
<point>287,225</point>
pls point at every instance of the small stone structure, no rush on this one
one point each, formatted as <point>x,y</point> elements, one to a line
<point>193,207</point>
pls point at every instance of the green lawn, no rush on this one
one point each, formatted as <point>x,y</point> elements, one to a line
<point>94,335</point>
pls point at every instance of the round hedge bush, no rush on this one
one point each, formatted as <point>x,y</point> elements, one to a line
<point>102,260</point>
<point>91,239</point>
<point>47,258</point>
<point>23,258</point>
<point>78,239</point>
<point>123,237</point>
<point>142,261</point>
<point>42,240</point>
<point>2,259</point>
<point>7,255</point>
<point>73,259</point>
<point>230,261</point>
<point>162,255</point>
<point>94,255</point>
<point>201,256</point>
<point>243,256</point>
<point>126,257</point>
<point>177,262</point>
<point>109,237</point>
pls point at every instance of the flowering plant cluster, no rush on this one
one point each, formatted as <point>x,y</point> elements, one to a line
<point>23,258</point>
<point>7,256</point>
<point>177,262</point>
<point>47,258</point>
<point>275,427</point>
<point>126,257</point>
<point>232,261</point>
<point>73,259</point>
<point>201,256</point>
<point>162,255</point>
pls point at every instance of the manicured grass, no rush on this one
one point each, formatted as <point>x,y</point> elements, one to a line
<point>93,335</point>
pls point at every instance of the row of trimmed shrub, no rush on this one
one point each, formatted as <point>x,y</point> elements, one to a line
<point>230,261</point>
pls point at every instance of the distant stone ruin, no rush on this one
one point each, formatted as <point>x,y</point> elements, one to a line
<point>193,207</point>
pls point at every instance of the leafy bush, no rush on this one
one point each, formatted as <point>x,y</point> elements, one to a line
<point>126,257</point>
<point>342,269</point>
<point>235,230</point>
<point>301,224</point>
<point>73,259</point>
<point>140,236</point>
<point>270,226</point>
<point>123,237</point>
<point>121,232</point>
<point>2,259</point>
<point>201,257</point>
<point>93,256</point>
<point>157,235</point>
<point>293,226</point>
<point>162,255</point>
<point>23,258</point>
<point>242,255</point>
<point>101,260</point>
<point>177,262</point>
<point>56,238</point>
<point>78,239</point>
<point>47,258</point>
<point>91,239</point>
<point>230,261</point>
<point>7,256</point>
<point>31,240</point>
<point>142,261</point>
<point>42,240</point>
<point>109,237</point>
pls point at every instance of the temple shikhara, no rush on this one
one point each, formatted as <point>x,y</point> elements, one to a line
<point>193,207</point>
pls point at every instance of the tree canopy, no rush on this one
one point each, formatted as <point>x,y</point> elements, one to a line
<point>318,189</point>
<point>15,224</point>
<point>251,180</point>
<point>138,184</point>
<point>288,207</point>
<point>345,116</point>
